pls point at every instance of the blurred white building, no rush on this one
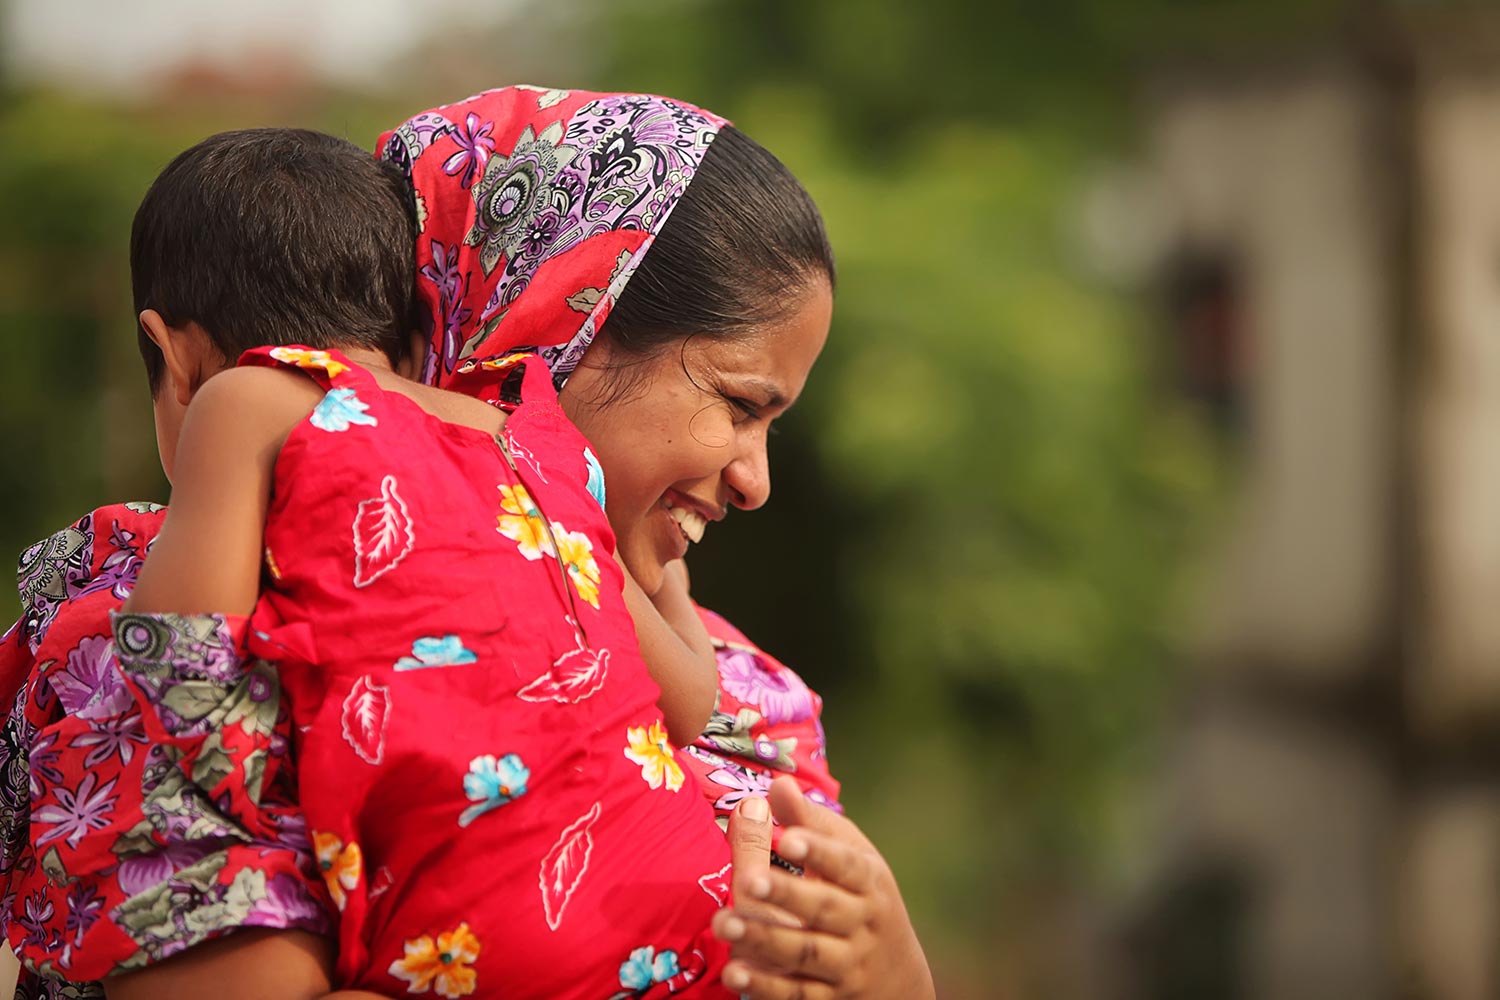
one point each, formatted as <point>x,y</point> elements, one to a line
<point>1336,788</point>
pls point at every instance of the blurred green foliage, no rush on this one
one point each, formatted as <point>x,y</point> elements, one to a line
<point>986,500</point>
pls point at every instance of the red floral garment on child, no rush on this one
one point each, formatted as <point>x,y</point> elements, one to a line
<point>482,762</point>
<point>115,854</point>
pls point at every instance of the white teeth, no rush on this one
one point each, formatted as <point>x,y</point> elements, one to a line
<point>691,523</point>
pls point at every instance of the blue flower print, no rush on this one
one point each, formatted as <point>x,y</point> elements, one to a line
<point>596,476</point>
<point>491,783</point>
<point>436,651</point>
<point>339,410</point>
<point>644,967</point>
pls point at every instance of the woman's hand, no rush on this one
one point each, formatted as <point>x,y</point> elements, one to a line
<point>840,931</point>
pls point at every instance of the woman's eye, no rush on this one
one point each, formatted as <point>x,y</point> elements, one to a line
<point>746,407</point>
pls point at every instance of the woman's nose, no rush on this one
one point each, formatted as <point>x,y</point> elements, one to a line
<point>749,476</point>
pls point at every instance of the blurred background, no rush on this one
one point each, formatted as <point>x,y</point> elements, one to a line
<point>1139,525</point>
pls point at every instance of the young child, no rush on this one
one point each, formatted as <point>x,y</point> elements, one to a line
<point>484,772</point>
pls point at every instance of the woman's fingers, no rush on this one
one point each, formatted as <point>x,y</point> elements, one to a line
<point>803,953</point>
<point>791,808</point>
<point>829,859</point>
<point>788,804</point>
<point>816,905</point>
<point>750,852</point>
<point>758,984</point>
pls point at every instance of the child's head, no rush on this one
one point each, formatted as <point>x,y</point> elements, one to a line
<point>264,237</point>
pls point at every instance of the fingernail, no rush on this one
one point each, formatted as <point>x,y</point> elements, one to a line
<point>736,978</point>
<point>792,848</point>
<point>760,887</point>
<point>732,929</point>
<point>755,809</point>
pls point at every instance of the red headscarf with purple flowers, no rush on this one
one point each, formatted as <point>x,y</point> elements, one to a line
<point>534,208</point>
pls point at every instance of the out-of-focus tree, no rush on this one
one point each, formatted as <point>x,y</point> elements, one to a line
<point>988,502</point>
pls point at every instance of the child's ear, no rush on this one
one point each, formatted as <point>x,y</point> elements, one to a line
<point>186,351</point>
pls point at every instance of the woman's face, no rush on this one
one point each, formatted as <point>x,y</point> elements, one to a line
<point>688,439</point>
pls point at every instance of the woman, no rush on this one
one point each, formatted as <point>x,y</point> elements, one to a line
<point>722,322</point>
<point>675,346</point>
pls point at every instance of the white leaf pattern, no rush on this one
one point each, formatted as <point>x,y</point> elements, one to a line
<point>716,884</point>
<point>565,864</point>
<point>367,709</point>
<point>574,677</point>
<point>382,534</point>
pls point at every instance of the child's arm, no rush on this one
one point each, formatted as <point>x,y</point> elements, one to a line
<point>677,651</point>
<point>207,559</point>
<point>208,555</point>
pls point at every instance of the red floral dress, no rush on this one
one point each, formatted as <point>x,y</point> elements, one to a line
<point>486,780</point>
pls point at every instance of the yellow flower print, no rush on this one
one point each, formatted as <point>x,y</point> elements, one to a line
<point>501,364</point>
<point>522,522</point>
<point>443,965</point>
<point>577,554</point>
<point>310,359</point>
<point>650,749</point>
<point>339,864</point>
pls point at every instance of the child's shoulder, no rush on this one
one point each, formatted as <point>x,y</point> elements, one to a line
<point>265,390</point>
<point>249,405</point>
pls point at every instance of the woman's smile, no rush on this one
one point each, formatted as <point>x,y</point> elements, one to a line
<point>682,447</point>
<point>691,519</point>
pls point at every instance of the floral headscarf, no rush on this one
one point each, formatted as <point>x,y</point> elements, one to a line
<point>534,207</point>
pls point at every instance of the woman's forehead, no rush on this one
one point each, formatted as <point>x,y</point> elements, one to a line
<point>777,356</point>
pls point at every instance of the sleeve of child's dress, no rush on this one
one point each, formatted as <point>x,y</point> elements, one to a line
<point>164,809</point>
<point>766,721</point>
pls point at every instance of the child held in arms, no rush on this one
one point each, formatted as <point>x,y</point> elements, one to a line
<point>412,588</point>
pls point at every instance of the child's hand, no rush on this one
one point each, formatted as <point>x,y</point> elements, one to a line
<point>851,936</point>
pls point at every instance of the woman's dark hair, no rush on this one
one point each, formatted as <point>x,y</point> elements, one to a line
<point>276,236</point>
<point>740,248</point>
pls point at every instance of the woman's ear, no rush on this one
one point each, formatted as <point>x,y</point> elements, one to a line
<point>187,353</point>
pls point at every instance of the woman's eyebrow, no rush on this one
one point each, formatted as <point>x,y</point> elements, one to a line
<point>774,398</point>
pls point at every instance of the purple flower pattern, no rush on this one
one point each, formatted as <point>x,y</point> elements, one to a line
<point>113,737</point>
<point>90,686</point>
<point>78,811</point>
<point>475,144</point>
<point>613,164</point>
<point>740,780</point>
<point>780,695</point>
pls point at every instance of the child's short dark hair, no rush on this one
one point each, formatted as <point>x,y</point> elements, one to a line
<point>277,236</point>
